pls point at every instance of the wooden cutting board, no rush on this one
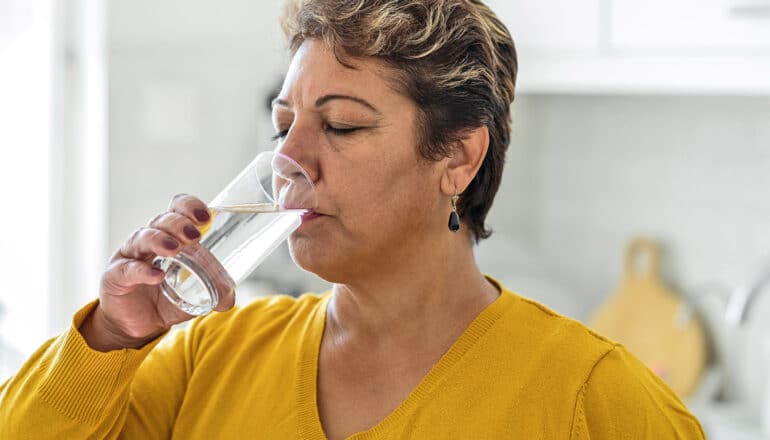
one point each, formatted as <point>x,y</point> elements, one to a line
<point>647,318</point>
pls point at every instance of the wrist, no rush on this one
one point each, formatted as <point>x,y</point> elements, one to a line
<point>101,335</point>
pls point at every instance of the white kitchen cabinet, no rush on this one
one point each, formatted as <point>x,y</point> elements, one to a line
<point>688,26</point>
<point>551,25</point>
<point>699,47</point>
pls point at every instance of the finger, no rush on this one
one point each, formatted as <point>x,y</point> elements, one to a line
<point>178,226</point>
<point>146,243</point>
<point>191,207</point>
<point>124,275</point>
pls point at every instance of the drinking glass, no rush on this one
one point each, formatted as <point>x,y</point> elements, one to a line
<point>255,213</point>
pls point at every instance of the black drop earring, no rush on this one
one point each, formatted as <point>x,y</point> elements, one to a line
<point>454,219</point>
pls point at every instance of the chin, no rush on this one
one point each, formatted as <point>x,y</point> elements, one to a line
<point>318,258</point>
<point>310,255</point>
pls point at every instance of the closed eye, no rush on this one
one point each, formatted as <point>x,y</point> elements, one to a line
<point>333,130</point>
<point>341,131</point>
<point>280,135</point>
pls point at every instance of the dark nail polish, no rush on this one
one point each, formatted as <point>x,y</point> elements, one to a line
<point>191,232</point>
<point>170,244</point>
<point>202,215</point>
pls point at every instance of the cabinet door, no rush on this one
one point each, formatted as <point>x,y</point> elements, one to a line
<point>550,25</point>
<point>703,26</point>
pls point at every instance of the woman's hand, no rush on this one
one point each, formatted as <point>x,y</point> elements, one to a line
<point>132,310</point>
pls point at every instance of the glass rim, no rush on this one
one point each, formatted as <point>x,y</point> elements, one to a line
<point>273,154</point>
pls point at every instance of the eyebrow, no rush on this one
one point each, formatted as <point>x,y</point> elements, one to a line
<point>326,98</point>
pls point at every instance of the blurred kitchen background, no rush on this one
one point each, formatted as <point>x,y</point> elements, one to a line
<point>632,119</point>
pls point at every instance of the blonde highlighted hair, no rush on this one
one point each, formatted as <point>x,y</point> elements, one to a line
<point>454,58</point>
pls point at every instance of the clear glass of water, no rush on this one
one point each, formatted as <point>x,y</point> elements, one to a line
<point>254,214</point>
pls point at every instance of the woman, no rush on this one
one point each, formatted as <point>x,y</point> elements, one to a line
<point>399,111</point>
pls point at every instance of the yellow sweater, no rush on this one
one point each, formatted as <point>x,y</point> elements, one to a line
<point>519,371</point>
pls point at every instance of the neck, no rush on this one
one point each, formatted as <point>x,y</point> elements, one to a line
<point>433,291</point>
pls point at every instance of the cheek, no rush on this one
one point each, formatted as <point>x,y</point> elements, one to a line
<point>375,184</point>
<point>388,197</point>
<point>377,207</point>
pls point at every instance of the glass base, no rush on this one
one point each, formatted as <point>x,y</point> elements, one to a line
<point>187,285</point>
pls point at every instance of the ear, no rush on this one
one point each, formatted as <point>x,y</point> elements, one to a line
<point>465,161</point>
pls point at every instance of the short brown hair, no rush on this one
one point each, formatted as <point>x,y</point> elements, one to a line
<point>454,58</point>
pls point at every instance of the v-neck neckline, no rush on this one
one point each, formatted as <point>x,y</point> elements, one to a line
<point>310,426</point>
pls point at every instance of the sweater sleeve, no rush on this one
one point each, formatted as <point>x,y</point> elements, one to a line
<point>623,399</point>
<point>67,390</point>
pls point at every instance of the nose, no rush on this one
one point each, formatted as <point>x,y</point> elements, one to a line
<point>299,145</point>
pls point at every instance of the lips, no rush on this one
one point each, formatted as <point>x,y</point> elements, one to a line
<point>309,216</point>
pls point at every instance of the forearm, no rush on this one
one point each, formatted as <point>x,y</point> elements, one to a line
<point>68,390</point>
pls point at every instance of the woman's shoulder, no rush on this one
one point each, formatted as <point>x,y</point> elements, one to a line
<point>280,305</point>
<point>533,323</point>
<point>258,315</point>
<point>612,386</point>
<point>562,337</point>
<point>621,396</point>
<point>539,342</point>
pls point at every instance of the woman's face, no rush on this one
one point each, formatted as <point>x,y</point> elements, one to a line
<point>379,201</point>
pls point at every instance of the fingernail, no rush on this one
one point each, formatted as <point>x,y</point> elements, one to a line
<point>202,215</point>
<point>191,232</point>
<point>170,244</point>
<point>155,271</point>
